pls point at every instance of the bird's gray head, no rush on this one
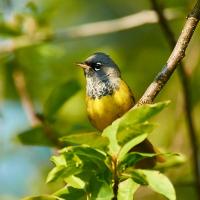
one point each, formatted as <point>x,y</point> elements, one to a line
<point>102,75</point>
<point>100,65</point>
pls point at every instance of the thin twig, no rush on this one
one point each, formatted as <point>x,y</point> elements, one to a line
<point>19,81</point>
<point>115,25</point>
<point>175,58</point>
<point>115,177</point>
<point>86,30</point>
<point>186,92</point>
<point>27,104</point>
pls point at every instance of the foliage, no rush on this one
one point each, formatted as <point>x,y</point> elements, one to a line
<point>43,135</point>
<point>96,164</point>
<point>48,65</point>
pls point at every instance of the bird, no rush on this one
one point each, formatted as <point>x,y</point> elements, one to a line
<point>108,97</point>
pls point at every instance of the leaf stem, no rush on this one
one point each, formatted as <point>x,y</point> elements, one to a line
<point>115,177</point>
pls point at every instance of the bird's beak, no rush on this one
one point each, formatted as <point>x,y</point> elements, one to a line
<point>83,65</point>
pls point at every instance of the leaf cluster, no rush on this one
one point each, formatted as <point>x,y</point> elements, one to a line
<point>95,164</point>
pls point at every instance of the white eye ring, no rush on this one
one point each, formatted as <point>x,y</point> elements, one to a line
<point>96,69</point>
<point>98,65</point>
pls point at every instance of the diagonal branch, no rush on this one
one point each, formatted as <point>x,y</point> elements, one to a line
<point>28,106</point>
<point>175,58</point>
<point>19,81</point>
<point>186,91</point>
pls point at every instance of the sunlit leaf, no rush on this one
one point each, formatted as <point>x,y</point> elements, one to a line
<point>139,178</point>
<point>70,193</point>
<point>59,160</point>
<point>75,182</point>
<point>127,133</point>
<point>141,113</point>
<point>111,133</point>
<point>132,123</point>
<point>84,157</point>
<point>100,189</point>
<point>132,158</point>
<point>92,139</point>
<point>129,145</point>
<point>86,151</point>
<point>64,172</point>
<point>105,192</point>
<point>59,96</point>
<point>55,173</point>
<point>173,160</point>
<point>127,189</point>
<point>158,182</point>
<point>43,197</point>
<point>66,165</point>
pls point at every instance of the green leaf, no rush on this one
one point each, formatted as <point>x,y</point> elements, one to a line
<point>75,182</point>
<point>35,136</point>
<point>172,160</point>
<point>127,189</point>
<point>158,182</point>
<point>99,189</point>
<point>105,192</point>
<point>121,129</point>
<point>86,152</point>
<point>59,160</point>
<point>66,166</point>
<point>128,132</point>
<point>70,193</point>
<point>129,145</point>
<point>141,113</point>
<point>137,177</point>
<point>55,173</point>
<point>132,158</point>
<point>63,172</point>
<point>90,160</point>
<point>111,132</point>
<point>92,139</point>
<point>59,96</point>
<point>42,197</point>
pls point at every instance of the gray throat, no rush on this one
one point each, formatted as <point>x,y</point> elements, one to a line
<point>97,88</point>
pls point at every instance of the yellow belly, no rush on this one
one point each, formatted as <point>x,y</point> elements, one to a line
<point>102,112</point>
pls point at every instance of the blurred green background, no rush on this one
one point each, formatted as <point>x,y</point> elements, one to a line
<point>140,52</point>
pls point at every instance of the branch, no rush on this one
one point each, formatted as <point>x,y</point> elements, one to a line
<point>86,30</point>
<point>185,85</point>
<point>115,25</point>
<point>176,56</point>
<point>27,104</point>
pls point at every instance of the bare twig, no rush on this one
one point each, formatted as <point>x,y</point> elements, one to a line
<point>176,56</point>
<point>34,119</point>
<point>116,178</point>
<point>19,81</point>
<point>186,92</point>
<point>86,30</point>
<point>115,25</point>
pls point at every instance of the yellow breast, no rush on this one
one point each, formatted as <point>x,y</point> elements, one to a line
<point>102,112</point>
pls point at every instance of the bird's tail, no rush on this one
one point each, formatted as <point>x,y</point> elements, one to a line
<point>147,147</point>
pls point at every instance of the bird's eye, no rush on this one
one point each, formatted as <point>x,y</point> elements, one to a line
<point>97,66</point>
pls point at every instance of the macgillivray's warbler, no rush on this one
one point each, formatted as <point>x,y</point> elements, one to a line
<point>108,97</point>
